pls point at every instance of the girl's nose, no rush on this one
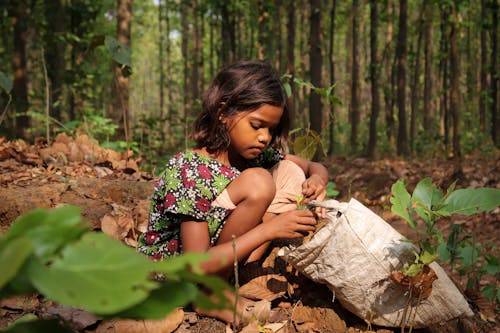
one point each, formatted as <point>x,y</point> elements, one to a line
<point>264,136</point>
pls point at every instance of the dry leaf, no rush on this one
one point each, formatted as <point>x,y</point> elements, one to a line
<point>117,226</point>
<point>267,287</point>
<point>165,325</point>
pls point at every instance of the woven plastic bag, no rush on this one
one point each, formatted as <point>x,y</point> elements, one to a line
<point>354,254</point>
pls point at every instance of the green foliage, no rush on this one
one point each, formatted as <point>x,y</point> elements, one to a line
<point>5,82</point>
<point>306,145</point>
<point>120,53</point>
<point>429,204</point>
<point>54,253</point>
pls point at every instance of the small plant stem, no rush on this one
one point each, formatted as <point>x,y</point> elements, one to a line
<point>236,280</point>
<point>6,109</point>
<point>47,97</point>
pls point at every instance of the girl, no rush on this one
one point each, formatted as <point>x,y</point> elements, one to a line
<point>237,181</point>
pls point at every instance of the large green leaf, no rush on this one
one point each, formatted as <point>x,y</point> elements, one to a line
<point>306,146</point>
<point>96,273</point>
<point>5,82</point>
<point>121,53</point>
<point>163,300</point>
<point>471,201</point>
<point>12,256</point>
<point>401,200</point>
<point>48,230</point>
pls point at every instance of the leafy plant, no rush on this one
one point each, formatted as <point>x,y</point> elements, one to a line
<point>429,204</point>
<point>53,252</point>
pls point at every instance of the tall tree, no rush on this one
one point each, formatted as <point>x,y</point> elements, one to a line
<point>316,66</point>
<point>20,84</point>
<point>401,54</point>
<point>374,78</point>
<point>415,86</point>
<point>389,63</point>
<point>495,80</point>
<point>331,58</point>
<point>290,55</point>
<point>54,53</point>
<point>429,77</point>
<point>355,103</point>
<point>483,72</point>
<point>119,107</point>
<point>454,81</point>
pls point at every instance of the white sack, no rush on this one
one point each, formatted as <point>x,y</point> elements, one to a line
<point>354,255</point>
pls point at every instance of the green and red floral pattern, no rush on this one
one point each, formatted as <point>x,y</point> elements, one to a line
<point>185,190</point>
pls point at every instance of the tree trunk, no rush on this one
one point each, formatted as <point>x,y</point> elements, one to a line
<point>54,54</point>
<point>429,77</point>
<point>228,35</point>
<point>443,65</point>
<point>279,33</point>
<point>374,78</point>
<point>495,121</point>
<point>415,89</point>
<point>483,88</point>
<point>331,58</point>
<point>389,63</point>
<point>316,64</point>
<point>355,113</point>
<point>119,108</point>
<point>454,83</point>
<point>186,105</point>
<point>291,59</point>
<point>263,23</point>
<point>20,84</point>
<point>161,44</point>
<point>402,142</point>
<point>196,56</point>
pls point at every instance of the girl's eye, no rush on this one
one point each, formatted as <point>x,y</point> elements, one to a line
<point>254,126</point>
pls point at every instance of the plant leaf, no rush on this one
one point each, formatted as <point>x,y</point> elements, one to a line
<point>96,273</point>
<point>120,53</point>
<point>471,201</point>
<point>13,254</point>
<point>401,202</point>
<point>5,82</point>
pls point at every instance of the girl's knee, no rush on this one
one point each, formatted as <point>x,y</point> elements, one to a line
<point>258,184</point>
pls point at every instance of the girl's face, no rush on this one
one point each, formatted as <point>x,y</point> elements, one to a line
<point>251,132</point>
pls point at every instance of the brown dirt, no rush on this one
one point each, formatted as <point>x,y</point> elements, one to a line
<point>111,189</point>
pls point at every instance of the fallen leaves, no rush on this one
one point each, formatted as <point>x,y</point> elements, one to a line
<point>165,325</point>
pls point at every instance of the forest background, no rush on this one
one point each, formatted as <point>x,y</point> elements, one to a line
<point>372,78</point>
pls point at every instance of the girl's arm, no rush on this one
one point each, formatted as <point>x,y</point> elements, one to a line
<point>195,238</point>
<point>316,178</point>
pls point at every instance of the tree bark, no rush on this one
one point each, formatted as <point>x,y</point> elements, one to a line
<point>374,78</point>
<point>401,53</point>
<point>454,83</point>
<point>316,65</point>
<point>429,77</point>
<point>119,108</point>
<point>495,80</point>
<point>355,112</point>
<point>389,89</point>
<point>54,54</point>
<point>331,58</point>
<point>483,85</point>
<point>290,67</point>
<point>415,87</point>
<point>20,84</point>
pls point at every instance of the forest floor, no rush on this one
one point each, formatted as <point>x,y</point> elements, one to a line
<point>114,195</point>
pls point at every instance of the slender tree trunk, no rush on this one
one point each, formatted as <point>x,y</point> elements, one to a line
<point>429,77</point>
<point>54,52</point>
<point>263,23</point>
<point>316,64</point>
<point>444,79</point>
<point>355,112</point>
<point>454,83</point>
<point>185,73</point>
<point>483,88</point>
<point>20,84</point>
<point>291,59</point>
<point>331,58</point>
<point>389,65</point>
<point>374,78</point>
<point>401,51</point>
<point>279,33</point>
<point>119,108</point>
<point>495,80</point>
<point>168,63</point>
<point>161,43</point>
<point>196,56</point>
<point>415,90</point>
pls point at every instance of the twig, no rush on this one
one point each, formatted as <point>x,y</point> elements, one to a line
<point>6,109</point>
<point>47,96</point>
<point>236,280</point>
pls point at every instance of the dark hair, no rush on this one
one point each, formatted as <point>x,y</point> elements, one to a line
<point>241,87</point>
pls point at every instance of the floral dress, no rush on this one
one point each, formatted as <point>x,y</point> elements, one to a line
<point>185,189</point>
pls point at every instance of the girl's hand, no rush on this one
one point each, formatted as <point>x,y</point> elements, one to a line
<point>292,224</point>
<point>314,188</point>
